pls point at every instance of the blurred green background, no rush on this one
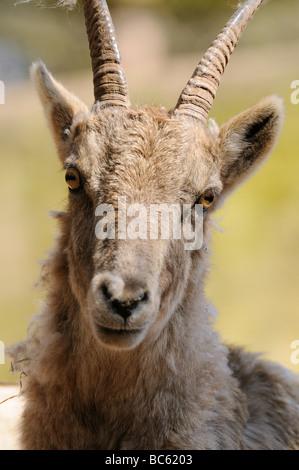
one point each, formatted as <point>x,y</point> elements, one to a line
<point>254,281</point>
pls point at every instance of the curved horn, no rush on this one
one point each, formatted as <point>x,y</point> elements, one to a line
<point>109,80</point>
<point>197,97</point>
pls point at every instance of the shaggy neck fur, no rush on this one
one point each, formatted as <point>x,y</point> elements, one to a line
<point>101,385</point>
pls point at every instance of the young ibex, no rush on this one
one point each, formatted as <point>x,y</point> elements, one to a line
<point>123,355</point>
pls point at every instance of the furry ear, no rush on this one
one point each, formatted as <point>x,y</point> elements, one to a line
<point>247,139</point>
<point>60,105</point>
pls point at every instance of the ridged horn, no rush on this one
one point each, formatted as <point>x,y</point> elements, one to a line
<point>197,97</point>
<point>109,81</point>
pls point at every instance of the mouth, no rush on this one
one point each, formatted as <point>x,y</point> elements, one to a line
<point>122,338</point>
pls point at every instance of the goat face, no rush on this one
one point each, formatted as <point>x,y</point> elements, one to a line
<point>147,160</point>
<point>129,286</point>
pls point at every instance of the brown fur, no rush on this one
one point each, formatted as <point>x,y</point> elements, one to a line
<point>171,385</point>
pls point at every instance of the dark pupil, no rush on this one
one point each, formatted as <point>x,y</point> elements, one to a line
<point>70,177</point>
<point>209,198</point>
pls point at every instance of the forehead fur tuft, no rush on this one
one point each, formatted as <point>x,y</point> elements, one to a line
<point>60,3</point>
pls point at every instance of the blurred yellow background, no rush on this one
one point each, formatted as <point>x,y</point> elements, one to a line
<point>254,280</point>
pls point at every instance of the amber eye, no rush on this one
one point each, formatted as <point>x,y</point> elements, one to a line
<point>72,178</point>
<point>206,199</point>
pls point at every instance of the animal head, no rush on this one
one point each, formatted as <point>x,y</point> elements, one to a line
<point>144,157</point>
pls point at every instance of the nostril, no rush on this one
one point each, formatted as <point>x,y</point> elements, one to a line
<point>132,303</point>
<point>121,296</point>
<point>107,295</point>
<point>123,307</point>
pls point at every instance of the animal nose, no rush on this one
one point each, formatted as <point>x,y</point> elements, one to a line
<point>125,304</point>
